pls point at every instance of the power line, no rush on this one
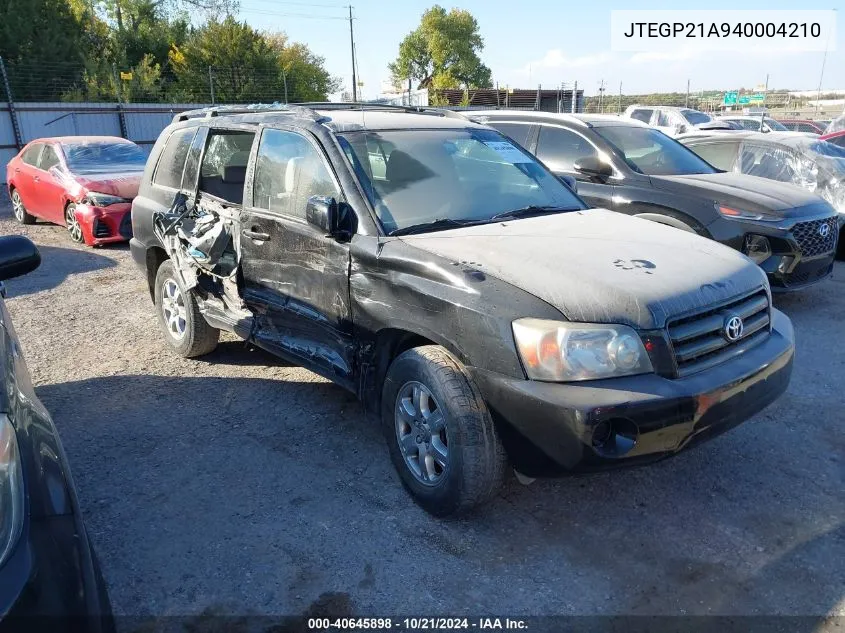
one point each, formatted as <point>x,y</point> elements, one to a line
<point>306,16</point>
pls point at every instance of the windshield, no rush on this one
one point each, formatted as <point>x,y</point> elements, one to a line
<point>103,157</point>
<point>649,151</point>
<point>415,177</point>
<point>695,117</point>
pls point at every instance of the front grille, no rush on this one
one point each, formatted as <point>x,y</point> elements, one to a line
<point>699,341</point>
<point>101,229</point>
<point>811,242</point>
<point>125,229</point>
<point>805,273</point>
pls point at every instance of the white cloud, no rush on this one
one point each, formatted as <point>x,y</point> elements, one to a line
<point>557,59</point>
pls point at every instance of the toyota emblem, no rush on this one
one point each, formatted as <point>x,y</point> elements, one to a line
<point>824,230</point>
<point>733,328</point>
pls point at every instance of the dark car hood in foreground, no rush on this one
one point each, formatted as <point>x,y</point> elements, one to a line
<point>747,193</point>
<point>122,184</point>
<point>601,267</point>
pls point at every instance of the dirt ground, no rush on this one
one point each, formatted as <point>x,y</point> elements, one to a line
<point>239,484</point>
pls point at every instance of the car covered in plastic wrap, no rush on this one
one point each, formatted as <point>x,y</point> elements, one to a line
<point>86,183</point>
<point>811,163</point>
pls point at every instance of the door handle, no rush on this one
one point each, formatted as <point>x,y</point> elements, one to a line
<point>17,170</point>
<point>255,234</point>
<point>36,178</point>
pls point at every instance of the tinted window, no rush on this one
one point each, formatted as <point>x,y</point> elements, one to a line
<point>30,154</point>
<point>695,117</point>
<point>172,161</point>
<point>662,119</point>
<point>642,115</point>
<point>720,155</point>
<point>805,127</point>
<point>560,148</point>
<point>415,177</point>
<point>192,164</point>
<point>775,125</point>
<point>517,131</point>
<point>288,171</point>
<point>651,152</point>
<point>749,124</point>
<point>223,168</point>
<point>49,158</point>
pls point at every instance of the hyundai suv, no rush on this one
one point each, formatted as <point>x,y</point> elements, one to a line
<point>471,300</point>
<point>624,165</point>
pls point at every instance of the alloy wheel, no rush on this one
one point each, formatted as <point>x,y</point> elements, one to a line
<point>17,206</point>
<point>73,226</point>
<point>421,433</point>
<point>173,309</point>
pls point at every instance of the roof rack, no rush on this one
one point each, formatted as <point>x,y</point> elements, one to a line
<point>258,108</point>
<point>307,109</point>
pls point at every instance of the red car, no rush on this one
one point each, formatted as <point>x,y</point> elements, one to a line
<point>802,125</point>
<point>837,138</point>
<point>86,183</point>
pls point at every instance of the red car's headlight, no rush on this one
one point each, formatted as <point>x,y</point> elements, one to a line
<point>103,199</point>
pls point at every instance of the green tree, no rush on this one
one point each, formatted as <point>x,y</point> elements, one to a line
<point>247,66</point>
<point>442,52</point>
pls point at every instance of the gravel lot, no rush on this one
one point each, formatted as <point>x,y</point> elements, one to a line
<point>238,484</point>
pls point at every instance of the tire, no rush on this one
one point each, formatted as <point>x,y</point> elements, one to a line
<point>19,211</point>
<point>74,229</point>
<point>475,463</point>
<point>184,327</point>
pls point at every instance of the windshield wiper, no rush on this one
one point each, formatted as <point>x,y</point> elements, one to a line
<point>434,225</point>
<point>533,209</point>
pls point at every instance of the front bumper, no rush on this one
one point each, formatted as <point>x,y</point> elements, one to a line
<point>551,427</point>
<point>105,225</point>
<point>791,266</point>
<point>52,581</point>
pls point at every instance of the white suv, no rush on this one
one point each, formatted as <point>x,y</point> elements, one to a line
<point>671,120</point>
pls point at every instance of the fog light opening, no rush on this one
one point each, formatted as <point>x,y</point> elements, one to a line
<point>757,248</point>
<point>615,437</point>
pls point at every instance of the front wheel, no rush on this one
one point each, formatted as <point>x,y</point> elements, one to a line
<point>74,228</point>
<point>439,432</point>
<point>21,214</point>
<point>184,327</point>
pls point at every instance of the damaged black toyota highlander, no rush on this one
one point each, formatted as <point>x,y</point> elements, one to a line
<point>462,291</point>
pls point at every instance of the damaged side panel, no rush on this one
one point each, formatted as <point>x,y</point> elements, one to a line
<point>394,286</point>
<point>201,239</point>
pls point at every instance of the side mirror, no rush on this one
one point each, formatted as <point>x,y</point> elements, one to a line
<point>18,256</point>
<point>322,212</point>
<point>592,166</point>
<point>569,181</point>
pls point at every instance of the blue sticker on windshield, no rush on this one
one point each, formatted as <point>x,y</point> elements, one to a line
<point>508,152</point>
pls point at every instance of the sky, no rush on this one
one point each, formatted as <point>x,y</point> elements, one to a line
<point>547,42</point>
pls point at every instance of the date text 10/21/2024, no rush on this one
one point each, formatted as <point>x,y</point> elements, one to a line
<point>416,624</point>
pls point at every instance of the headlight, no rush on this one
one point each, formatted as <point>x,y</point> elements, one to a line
<point>103,199</point>
<point>739,214</point>
<point>11,489</point>
<point>558,351</point>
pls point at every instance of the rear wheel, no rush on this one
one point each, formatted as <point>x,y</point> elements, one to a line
<point>184,327</point>
<point>74,229</point>
<point>20,212</point>
<point>439,432</point>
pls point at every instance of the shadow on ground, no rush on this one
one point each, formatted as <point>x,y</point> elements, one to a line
<point>57,264</point>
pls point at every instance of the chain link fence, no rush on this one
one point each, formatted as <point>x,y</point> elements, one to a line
<point>107,83</point>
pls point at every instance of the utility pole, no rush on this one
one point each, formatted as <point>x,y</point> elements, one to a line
<point>352,50</point>
<point>601,96</point>
<point>575,98</point>
<point>620,97</point>
<point>686,101</point>
<point>211,85</point>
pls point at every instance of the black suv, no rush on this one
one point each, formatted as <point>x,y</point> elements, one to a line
<point>624,165</point>
<point>461,290</point>
<point>50,579</point>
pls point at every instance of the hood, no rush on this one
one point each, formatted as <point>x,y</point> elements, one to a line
<point>598,266</point>
<point>749,193</point>
<point>123,184</point>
